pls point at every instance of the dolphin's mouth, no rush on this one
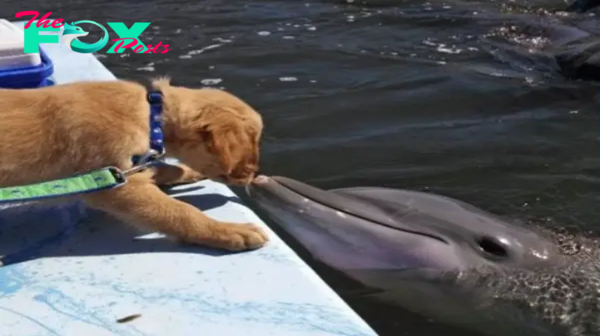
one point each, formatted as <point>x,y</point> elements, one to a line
<point>354,207</point>
<point>260,179</point>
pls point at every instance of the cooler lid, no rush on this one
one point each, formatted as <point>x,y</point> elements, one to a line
<point>12,43</point>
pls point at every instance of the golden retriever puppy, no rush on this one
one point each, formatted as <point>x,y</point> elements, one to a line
<point>56,132</point>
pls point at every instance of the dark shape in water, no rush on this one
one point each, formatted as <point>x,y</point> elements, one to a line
<point>582,6</point>
<point>580,58</point>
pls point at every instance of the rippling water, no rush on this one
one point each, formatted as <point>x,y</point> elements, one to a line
<point>456,97</point>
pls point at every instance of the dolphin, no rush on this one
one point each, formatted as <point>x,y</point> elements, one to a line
<point>430,254</point>
<point>70,33</point>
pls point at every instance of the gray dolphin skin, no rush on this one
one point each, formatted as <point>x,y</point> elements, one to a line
<point>435,256</point>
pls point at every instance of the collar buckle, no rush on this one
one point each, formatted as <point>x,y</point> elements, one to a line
<point>144,161</point>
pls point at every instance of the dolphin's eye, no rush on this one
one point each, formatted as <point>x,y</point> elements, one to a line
<point>492,247</point>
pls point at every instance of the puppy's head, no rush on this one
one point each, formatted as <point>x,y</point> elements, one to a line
<point>213,132</point>
<point>231,150</point>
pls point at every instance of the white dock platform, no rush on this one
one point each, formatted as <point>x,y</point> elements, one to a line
<point>72,271</point>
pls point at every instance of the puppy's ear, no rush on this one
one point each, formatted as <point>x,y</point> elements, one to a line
<point>221,141</point>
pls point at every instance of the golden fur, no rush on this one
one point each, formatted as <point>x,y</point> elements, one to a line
<point>55,132</point>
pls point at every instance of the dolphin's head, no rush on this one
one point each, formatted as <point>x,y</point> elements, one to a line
<point>380,228</point>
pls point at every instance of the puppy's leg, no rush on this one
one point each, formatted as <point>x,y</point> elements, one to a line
<point>141,202</point>
<point>176,174</point>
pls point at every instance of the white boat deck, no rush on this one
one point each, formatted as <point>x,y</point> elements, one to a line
<point>72,271</point>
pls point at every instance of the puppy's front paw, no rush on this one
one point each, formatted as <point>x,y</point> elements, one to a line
<point>191,176</point>
<point>239,237</point>
<point>169,175</point>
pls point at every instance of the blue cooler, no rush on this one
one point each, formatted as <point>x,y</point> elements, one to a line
<point>19,70</point>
